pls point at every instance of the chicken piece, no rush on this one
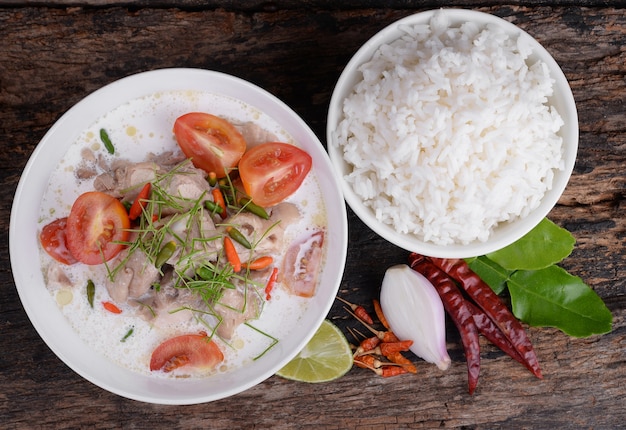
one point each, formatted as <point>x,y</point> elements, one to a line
<point>131,177</point>
<point>255,135</point>
<point>56,277</point>
<point>164,306</point>
<point>235,308</point>
<point>87,169</point>
<point>167,159</point>
<point>271,231</point>
<point>124,179</point>
<point>134,174</point>
<point>105,183</point>
<point>200,238</point>
<point>186,187</point>
<point>286,213</point>
<point>134,279</point>
<point>87,156</point>
<point>84,172</point>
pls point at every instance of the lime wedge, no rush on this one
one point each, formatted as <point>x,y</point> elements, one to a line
<point>327,356</point>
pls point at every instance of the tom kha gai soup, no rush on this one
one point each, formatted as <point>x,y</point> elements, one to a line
<point>166,265</point>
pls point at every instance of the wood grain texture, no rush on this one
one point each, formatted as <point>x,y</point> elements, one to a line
<point>274,5</point>
<point>52,57</point>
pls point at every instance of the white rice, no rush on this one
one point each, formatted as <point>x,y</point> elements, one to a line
<point>449,133</point>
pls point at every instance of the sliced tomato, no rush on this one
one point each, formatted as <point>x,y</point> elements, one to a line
<point>273,171</point>
<point>96,226</point>
<point>193,350</point>
<point>302,264</point>
<point>52,238</point>
<point>212,143</point>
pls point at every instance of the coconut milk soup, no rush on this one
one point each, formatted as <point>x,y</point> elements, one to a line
<point>136,129</point>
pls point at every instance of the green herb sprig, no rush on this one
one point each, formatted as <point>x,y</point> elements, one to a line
<point>178,231</point>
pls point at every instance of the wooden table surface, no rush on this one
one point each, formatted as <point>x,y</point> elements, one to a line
<point>54,53</point>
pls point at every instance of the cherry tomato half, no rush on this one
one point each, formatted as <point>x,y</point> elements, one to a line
<point>273,171</point>
<point>95,227</point>
<point>212,143</point>
<point>53,241</point>
<point>193,350</point>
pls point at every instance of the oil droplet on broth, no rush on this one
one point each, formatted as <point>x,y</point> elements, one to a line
<point>131,131</point>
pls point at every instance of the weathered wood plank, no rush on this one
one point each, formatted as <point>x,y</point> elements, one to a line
<point>275,5</point>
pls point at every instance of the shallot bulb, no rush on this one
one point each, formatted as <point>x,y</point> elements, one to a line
<point>414,312</point>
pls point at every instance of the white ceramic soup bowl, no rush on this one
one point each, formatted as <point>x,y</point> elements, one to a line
<point>149,102</point>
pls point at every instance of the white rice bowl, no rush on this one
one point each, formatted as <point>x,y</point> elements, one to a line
<point>455,133</point>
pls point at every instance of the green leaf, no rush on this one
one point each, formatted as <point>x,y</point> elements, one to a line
<point>543,246</point>
<point>491,272</point>
<point>552,297</point>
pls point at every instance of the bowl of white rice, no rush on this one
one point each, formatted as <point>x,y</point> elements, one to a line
<point>454,132</point>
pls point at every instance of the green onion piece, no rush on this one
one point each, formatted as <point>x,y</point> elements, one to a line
<point>91,292</point>
<point>213,207</point>
<point>238,236</point>
<point>205,273</point>
<point>252,207</point>
<point>127,335</point>
<point>107,141</point>
<point>165,253</point>
<point>228,190</point>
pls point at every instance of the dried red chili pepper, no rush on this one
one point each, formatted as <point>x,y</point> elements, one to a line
<point>368,362</point>
<point>367,345</point>
<point>493,333</point>
<point>390,371</point>
<point>490,303</point>
<point>385,336</point>
<point>456,306</point>
<point>379,313</point>
<point>358,310</point>
<point>390,348</point>
<point>398,358</point>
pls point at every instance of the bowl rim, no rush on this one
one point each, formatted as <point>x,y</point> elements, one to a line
<point>51,324</point>
<point>511,232</point>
